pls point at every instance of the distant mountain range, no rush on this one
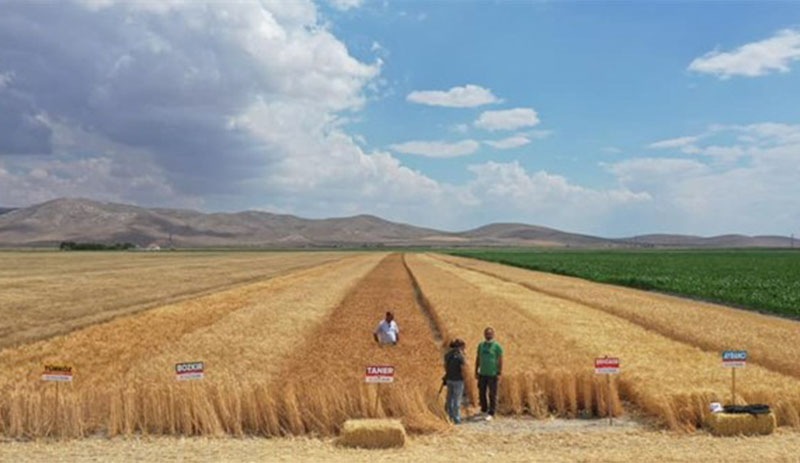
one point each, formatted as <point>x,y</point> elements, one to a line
<point>83,220</point>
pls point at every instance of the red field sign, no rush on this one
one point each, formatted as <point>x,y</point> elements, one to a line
<point>59,373</point>
<point>379,374</point>
<point>189,371</point>
<point>606,366</point>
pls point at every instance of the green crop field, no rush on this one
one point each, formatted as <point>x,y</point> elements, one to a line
<point>765,280</point>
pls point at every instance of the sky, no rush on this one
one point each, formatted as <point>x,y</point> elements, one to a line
<point>606,118</point>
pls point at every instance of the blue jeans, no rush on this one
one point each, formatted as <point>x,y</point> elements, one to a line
<point>455,390</point>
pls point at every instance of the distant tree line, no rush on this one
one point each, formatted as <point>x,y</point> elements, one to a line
<point>73,246</point>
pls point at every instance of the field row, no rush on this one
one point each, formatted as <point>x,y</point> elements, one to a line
<point>124,368</point>
<point>286,354</point>
<point>670,376</point>
<point>50,293</point>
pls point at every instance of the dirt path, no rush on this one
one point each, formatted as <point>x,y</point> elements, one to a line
<point>509,442</point>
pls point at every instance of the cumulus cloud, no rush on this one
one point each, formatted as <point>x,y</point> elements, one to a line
<point>510,191</point>
<point>679,142</point>
<point>345,5</point>
<point>753,59</point>
<point>173,85</point>
<point>741,180</point>
<point>437,149</point>
<point>508,119</point>
<point>509,143</point>
<point>468,96</point>
<point>5,79</point>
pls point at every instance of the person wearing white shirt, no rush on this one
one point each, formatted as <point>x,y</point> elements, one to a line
<point>387,332</point>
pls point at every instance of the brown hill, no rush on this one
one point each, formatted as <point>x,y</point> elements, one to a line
<point>84,220</point>
<point>517,234</point>
<point>721,241</point>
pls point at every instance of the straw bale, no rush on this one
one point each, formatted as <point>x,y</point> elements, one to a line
<point>735,424</point>
<point>373,434</point>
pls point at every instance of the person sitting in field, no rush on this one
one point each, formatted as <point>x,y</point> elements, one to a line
<point>387,333</point>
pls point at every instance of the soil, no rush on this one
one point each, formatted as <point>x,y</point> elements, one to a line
<point>501,440</point>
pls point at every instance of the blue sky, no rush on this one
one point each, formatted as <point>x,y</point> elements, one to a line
<point>609,118</point>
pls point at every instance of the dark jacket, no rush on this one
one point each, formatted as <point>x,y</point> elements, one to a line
<point>453,365</point>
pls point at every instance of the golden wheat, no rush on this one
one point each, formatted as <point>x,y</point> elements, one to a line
<point>543,373</point>
<point>322,385</point>
<point>124,380</point>
<point>771,342</point>
<point>50,293</point>
<point>672,380</point>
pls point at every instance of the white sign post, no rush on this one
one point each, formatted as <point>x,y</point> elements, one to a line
<point>734,359</point>
<point>57,374</point>
<point>377,375</point>
<point>189,371</point>
<point>607,366</point>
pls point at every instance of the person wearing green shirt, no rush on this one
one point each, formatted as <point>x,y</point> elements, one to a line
<point>488,368</point>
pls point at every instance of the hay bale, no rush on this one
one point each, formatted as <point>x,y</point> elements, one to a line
<point>373,434</point>
<point>740,424</point>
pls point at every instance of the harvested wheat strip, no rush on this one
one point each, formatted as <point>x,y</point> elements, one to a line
<point>322,384</point>
<point>543,374</point>
<point>124,368</point>
<point>770,341</point>
<point>81,289</point>
<point>666,378</point>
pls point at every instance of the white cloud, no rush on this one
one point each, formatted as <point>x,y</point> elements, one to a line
<point>612,150</point>
<point>753,59</point>
<point>468,96</point>
<point>5,79</point>
<point>459,128</point>
<point>345,5</point>
<point>508,119</point>
<point>673,143</point>
<point>508,143</point>
<point>744,180</point>
<point>437,149</point>
<point>513,193</point>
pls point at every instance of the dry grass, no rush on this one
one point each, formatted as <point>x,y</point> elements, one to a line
<point>771,342</point>
<point>50,293</point>
<point>668,379</point>
<point>124,380</point>
<point>473,445</point>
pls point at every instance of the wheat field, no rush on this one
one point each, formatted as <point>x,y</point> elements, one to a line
<point>51,293</point>
<point>124,368</point>
<point>669,379</point>
<point>285,338</point>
